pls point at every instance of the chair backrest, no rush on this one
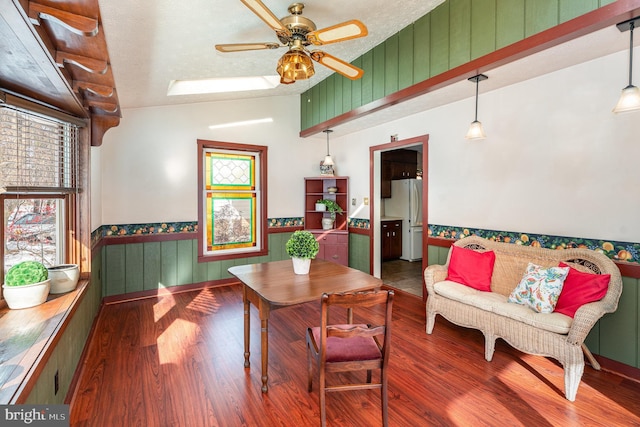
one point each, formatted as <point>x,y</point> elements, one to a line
<point>380,331</point>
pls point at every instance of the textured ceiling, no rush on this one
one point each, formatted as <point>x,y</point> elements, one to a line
<point>155,41</point>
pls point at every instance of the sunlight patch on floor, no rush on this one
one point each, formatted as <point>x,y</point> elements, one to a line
<point>181,334</point>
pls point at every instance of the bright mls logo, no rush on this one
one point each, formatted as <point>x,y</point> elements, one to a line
<point>34,415</point>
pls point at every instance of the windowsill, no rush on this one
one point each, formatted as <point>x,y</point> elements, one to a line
<point>28,337</point>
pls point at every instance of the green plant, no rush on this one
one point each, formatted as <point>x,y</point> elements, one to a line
<point>332,207</point>
<point>26,273</point>
<point>302,244</point>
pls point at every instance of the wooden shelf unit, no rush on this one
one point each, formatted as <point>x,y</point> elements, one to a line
<point>334,243</point>
<point>316,189</point>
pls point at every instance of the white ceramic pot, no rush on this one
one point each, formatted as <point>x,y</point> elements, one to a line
<point>26,296</point>
<point>327,223</point>
<point>321,207</point>
<point>64,278</point>
<point>301,265</point>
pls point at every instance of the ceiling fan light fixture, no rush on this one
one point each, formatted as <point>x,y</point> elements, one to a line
<point>294,65</point>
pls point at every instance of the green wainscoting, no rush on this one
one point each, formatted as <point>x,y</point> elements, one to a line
<point>66,355</point>
<point>359,257</point>
<point>616,336</point>
<point>454,33</point>
<point>134,267</point>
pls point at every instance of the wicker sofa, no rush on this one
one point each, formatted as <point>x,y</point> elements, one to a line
<point>548,334</point>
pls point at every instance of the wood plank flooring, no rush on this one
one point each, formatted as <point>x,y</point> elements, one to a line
<point>178,361</point>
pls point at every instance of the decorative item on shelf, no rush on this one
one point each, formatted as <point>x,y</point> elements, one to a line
<point>26,284</point>
<point>475,129</point>
<point>630,97</point>
<point>394,138</point>
<point>332,190</point>
<point>333,208</point>
<point>302,247</point>
<point>64,278</point>
<point>321,207</point>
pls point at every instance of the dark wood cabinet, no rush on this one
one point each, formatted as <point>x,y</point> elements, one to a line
<point>397,164</point>
<point>391,239</point>
<point>334,243</point>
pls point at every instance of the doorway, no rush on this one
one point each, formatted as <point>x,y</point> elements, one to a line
<point>405,272</point>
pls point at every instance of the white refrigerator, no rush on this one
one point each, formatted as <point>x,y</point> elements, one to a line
<point>406,203</point>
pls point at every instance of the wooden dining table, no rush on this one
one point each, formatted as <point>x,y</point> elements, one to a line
<point>273,285</point>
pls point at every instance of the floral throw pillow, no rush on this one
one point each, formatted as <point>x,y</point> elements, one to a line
<point>540,287</point>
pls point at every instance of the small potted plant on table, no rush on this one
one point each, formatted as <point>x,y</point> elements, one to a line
<point>333,208</point>
<point>302,247</point>
<point>26,284</point>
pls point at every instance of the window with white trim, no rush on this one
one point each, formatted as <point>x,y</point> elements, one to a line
<point>39,185</point>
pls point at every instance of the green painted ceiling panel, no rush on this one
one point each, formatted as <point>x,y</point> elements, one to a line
<point>570,9</point>
<point>540,15</point>
<point>483,27</point>
<point>454,33</point>
<point>459,32</point>
<point>405,58</point>
<point>367,79</point>
<point>391,64</point>
<point>439,40</point>
<point>421,49</point>
<point>509,22</point>
<point>378,72</point>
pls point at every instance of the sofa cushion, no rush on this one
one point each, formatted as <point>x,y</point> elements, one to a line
<point>496,303</point>
<point>579,289</point>
<point>471,268</point>
<point>540,287</point>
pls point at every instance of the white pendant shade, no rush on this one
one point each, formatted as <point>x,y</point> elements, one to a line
<point>475,131</point>
<point>629,100</point>
<point>328,161</point>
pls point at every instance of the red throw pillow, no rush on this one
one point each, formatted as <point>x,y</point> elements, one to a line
<point>471,268</point>
<point>579,289</point>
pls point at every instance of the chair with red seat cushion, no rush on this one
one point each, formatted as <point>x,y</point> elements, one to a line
<point>351,347</point>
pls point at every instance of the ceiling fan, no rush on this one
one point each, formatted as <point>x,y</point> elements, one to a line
<point>296,33</point>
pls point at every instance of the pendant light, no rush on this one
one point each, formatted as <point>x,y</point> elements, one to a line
<point>328,161</point>
<point>630,98</point>
<point>475,129</point>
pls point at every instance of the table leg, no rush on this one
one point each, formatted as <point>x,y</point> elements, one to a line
<point>247,331</point>
<point>264,320</point>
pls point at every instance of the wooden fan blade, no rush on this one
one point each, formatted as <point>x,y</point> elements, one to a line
<point>267,16</point>
<point>337,65</point>
<point>337,33</point>
<point>239,47</point>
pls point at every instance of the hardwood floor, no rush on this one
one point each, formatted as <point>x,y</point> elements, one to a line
<point>178,361</point>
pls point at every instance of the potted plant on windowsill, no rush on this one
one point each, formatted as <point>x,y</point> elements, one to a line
<point>26,284</point>
<point>302,247</point>
<point>333,208</point>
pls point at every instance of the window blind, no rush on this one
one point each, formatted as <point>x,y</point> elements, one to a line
<point>37,154</point>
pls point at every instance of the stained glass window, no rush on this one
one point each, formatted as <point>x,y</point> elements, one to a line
<point>231,202</point>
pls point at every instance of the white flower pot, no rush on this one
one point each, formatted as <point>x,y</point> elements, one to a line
<point>321,207</point>
<point>301,265</point>
<point>26,296</point>
<point>327,223</point>
<point>64,278</point>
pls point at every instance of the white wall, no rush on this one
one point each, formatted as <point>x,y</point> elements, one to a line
<point>149,161</point>
<point>556,160</point>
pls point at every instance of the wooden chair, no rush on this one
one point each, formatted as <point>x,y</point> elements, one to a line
<point>351,347</point>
